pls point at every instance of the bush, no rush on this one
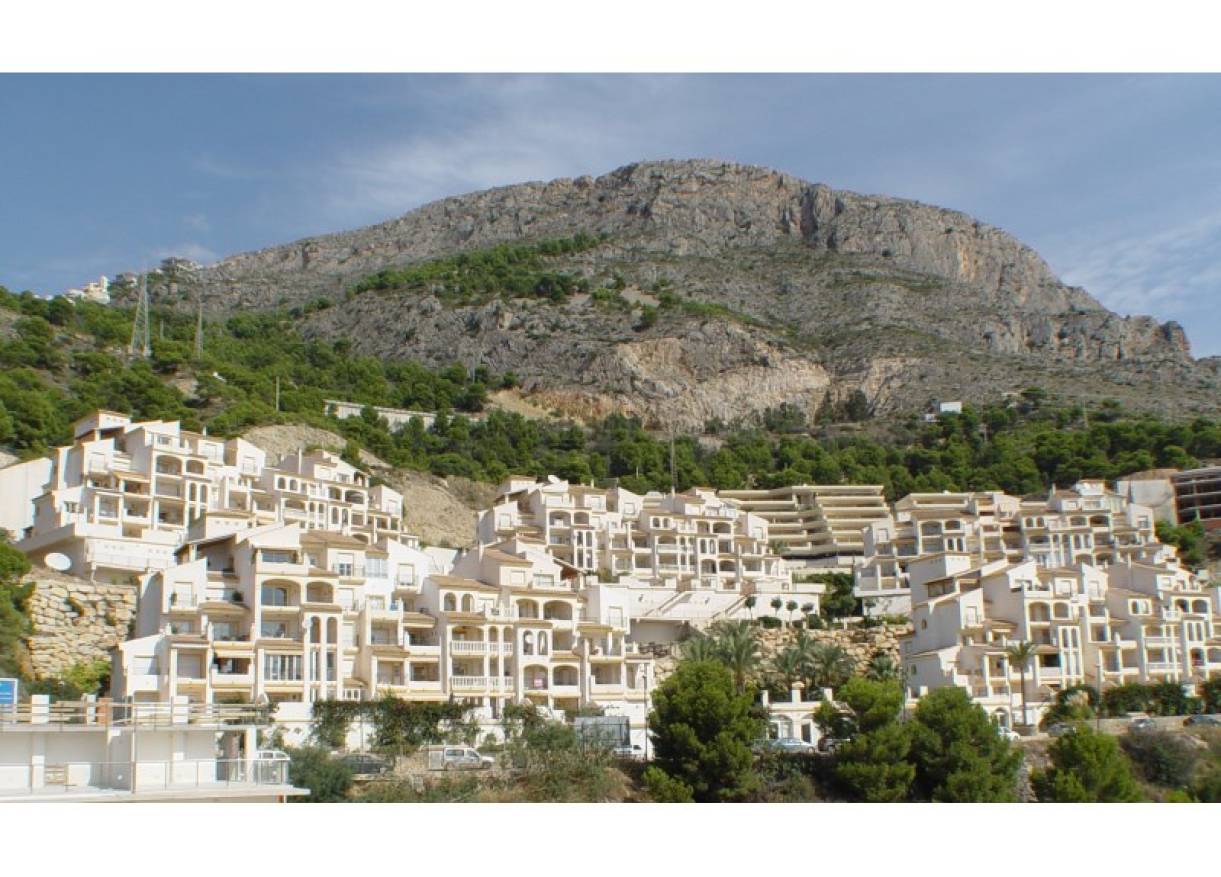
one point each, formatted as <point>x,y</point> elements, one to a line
<point>957,752</point>
<point>1086,767</point>
<point>312,767</point>
<point>665,789</point>
<point>770,622</point>
<point>1161,758</point>
<point>703,729</point>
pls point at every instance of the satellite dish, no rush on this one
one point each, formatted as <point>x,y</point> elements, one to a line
<point>58,562</point>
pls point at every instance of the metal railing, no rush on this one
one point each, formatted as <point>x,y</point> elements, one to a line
<point>122,714</point>
<point>140,776</point>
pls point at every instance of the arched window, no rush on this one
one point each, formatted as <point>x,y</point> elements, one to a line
<point>450,603</point>
<point>542,643</point>
<point>527,643</point>
<point>468,603</point>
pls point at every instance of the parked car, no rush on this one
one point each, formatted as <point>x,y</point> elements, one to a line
<point>793,745</point>
<point>1008,734</point>
<point>363,764</point>
<point>626,751</point>
<point>465,758</point>
<point>1203,719</point>
<point>1059,729</point>
<point>1142,724</point>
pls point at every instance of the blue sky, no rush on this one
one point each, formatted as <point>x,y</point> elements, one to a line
<point>1115,180</point>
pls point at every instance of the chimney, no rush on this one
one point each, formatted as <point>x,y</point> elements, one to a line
<point>795,692</point>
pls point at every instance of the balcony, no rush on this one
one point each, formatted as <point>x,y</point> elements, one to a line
<point>220,678</point>
<point>468,683</point>
<point>82,780</point>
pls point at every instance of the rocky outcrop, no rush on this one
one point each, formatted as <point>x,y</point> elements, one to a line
<point>75,621</point>
<point>815,294</point>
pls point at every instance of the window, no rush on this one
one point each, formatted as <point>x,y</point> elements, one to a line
<point>273,596</point>
<point>375,567</point>
<point>274,629</point>
<point>343,564</point>
<point>282,668</point>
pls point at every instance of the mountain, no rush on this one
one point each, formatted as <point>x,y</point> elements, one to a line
<point>768,289</point>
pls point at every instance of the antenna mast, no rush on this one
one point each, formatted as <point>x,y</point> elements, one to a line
<point>199,324</point>
<point>140,342</point>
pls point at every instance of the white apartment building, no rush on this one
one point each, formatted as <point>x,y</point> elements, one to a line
<point>1086,523</point>
<point>100,751</point>
<point>671,560</point>
<point>289,616</point>
<point>816,525</point>
<point>1128,622</point>
<point>120,499</point>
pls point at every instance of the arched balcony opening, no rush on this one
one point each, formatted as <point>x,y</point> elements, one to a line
<point>1040,612</point>
<point>564,676</point>
<point>449,603</point>
<point>558,610</point>
<point>319,592</point>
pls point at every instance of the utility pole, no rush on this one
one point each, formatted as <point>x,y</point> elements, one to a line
<point>673,477</point>
<point>140,343</point>
<point>199,325</point>
<point>277,392</point>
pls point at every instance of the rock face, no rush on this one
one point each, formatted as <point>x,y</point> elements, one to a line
<point>75,621</point>
<point>818,293</point>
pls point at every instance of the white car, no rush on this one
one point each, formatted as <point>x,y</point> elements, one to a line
<point>1008,734</point>
<point>465,758</point>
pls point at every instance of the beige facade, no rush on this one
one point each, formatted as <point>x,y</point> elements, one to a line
<point>124,495</point>
<point>819,525</point>
<point>1086,523</point>
<point>673,560</point>
<point>289,616</point>
<point>1090,625</point>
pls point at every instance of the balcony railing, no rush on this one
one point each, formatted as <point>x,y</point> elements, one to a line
<point>78,777</point>
<point>143,715</point>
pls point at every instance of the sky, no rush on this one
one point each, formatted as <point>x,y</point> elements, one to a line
<point>1115,180</point>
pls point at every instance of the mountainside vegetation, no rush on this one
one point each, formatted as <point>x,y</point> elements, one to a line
<point>63,360</point>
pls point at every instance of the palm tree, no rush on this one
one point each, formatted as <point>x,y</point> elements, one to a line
<point>830,665</point>
<point>792,607</point>
<point>1020,654</point>
<point>701,648</point>
<point>738,645</point>
<point>788,665</point>
<point>804,646</point>
<point>882,668</point>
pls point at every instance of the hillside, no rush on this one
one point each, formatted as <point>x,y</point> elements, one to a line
<point>701,290</point>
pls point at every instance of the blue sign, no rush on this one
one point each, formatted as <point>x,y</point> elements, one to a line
<point>8,692</point>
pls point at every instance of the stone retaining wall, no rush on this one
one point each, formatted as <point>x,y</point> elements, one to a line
<point>75,621</point>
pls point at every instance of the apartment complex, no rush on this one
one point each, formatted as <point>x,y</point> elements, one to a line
<point>1087,523</point>
<point>289,616</point>
<point>816,525</point>
<point>1131,621</point>
<point>673,560</point>
<point>124,495</point>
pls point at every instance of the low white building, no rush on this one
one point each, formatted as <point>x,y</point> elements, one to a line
<point>100,751</point>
